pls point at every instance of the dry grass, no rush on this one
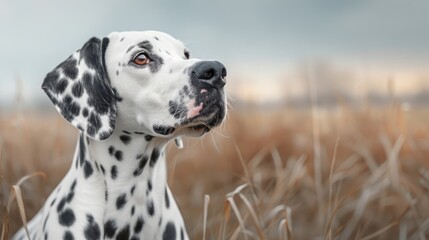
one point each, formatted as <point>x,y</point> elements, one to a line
<point>287,174</point>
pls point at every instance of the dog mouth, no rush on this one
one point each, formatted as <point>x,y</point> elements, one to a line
<point>205,112</point>
<point>206,120</point>
<point>204,109</point>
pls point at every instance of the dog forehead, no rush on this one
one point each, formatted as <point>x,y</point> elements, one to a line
<point>153,38</point>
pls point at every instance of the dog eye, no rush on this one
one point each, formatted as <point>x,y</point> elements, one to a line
<point>141,59</point>
<point>187,54</point>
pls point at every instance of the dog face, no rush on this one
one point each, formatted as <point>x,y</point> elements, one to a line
<point>141,82</point>
<point>163,90</point>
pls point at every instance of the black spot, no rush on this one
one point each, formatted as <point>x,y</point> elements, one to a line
<point>130,48</point>
<point>167,200</point>
<point>146,45</point>
<point>154,157</point>
<point>114,172</point>
<point>156,38</point>
<point>68,235</point>
<point>163,129</point>
<point>61,204</point>
<point>124,234</point>
<point>102,169</point>
<point>157,62</point>
<point>139,225</point>
<point>111,150</point>
<point>70,197</point>
<point>61,86</point>
<point>73,186</point>
<point>74,109</point>
<point>149,185</point>
<point>92,230</point>
<point>85,112</point>
<point>132,189</point>
<point>169,232</point>
<point>186,90</point>
<point>182,237</point>
<point>126,132</point>
<point>160,221</point>
<point>148,137</point>
<point>65,111</point>
<point>140,167</point>
<point>150,207</point>
<point>117,73</point>
<point>94,123</point>
<point>106,195</point>
<point>67,99</point>
<point>139,133</point>
<point>121,201</point>
<point>69,68</point>
<point>133,209</point>
<point>122,39</point>
<point>77,89</point>
<point>177,110</point>
<point>109,228</point>
<point>44,223</point>
<point>66,218</point>
<point>118,155</point>
<point>50,81</point>
<point>139,156</point>
<point>135,238</point>
<point>125,139</point>
<point>53,201</point>
<point>90,52</point>
<point>87,169</point>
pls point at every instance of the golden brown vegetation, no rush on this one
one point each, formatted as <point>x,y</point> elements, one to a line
<point>265,174</point>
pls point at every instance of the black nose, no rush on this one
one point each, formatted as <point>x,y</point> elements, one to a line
<point>211,72</point>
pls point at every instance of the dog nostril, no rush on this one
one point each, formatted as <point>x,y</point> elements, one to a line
<point>223,74</point>
<point>207,75</point>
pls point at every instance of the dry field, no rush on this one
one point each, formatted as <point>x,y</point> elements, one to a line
<point>265,174</point>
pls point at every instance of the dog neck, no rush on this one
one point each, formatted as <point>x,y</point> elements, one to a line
<point>131,168</point>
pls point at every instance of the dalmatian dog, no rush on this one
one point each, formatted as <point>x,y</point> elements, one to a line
<point>129,94</point>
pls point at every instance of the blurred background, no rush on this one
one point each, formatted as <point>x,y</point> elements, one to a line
<point>327,135</point>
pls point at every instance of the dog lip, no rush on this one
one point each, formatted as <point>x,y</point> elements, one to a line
<point>207,108</point>
<point>208,120</point>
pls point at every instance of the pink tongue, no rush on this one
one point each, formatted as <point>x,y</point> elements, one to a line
<point>194,111</point>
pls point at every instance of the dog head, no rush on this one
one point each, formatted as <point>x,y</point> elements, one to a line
<point>139,82</point>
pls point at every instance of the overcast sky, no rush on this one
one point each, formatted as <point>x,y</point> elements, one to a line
<point>37,35</point>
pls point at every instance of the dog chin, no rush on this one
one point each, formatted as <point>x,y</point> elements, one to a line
<point>196,130</point>
<point>201,125</point>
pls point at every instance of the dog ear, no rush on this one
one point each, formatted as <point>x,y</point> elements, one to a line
<point>80,90</point>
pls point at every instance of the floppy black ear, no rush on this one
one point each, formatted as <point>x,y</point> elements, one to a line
<point>80,89</point>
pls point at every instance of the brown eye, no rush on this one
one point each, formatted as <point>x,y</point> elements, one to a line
<point>141,59</point>
<point>186,54</point>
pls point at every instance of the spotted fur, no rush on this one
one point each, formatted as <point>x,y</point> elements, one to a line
<point>127,113</point>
